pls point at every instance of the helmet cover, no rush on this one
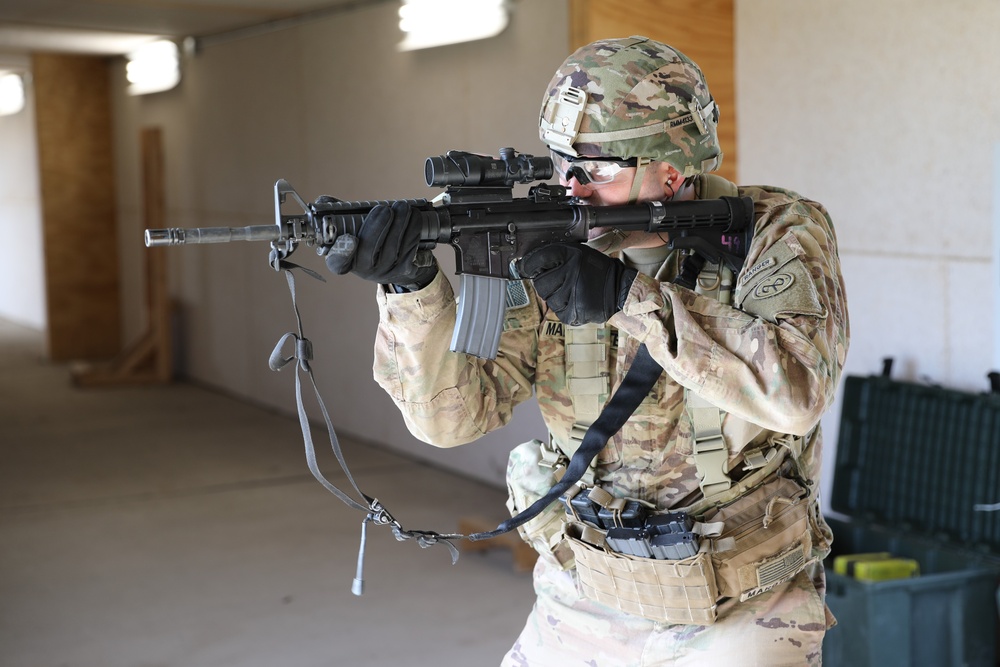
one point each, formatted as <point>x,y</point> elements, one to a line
<point>632,97</point>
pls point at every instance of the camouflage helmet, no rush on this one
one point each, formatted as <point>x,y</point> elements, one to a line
<point>632,98</point>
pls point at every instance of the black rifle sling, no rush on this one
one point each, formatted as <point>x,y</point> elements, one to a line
<point>635,386</point>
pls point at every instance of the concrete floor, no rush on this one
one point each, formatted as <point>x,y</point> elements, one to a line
<point>174,526</point>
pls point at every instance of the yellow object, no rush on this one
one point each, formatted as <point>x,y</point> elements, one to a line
<point>884,570</point>
<point>845,564</point>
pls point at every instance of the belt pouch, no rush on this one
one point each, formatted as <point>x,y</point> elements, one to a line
<point>667,591</point>
<point>528,479</point>
<point>769,539</point>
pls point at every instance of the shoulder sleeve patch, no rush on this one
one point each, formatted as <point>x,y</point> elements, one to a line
<point>777,286</point>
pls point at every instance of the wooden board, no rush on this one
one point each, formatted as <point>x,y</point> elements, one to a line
<point>701,29</point>
<point>77,183</point>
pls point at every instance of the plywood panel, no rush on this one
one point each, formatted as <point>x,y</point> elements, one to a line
<point>701,29</point>
<point>76,175</point>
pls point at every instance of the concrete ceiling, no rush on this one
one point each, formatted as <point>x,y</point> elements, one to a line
<point>118,26</point>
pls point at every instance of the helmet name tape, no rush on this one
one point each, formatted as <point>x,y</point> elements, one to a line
<point>699,118</point>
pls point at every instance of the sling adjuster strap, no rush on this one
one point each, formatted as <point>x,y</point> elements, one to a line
<point>375,512</point>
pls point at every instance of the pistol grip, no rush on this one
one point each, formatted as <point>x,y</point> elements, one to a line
<point>482,301</point>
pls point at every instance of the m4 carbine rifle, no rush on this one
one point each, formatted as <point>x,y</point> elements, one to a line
<point>490,229</point>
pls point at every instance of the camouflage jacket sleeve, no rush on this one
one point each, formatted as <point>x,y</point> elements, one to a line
<point>775,358</point>
<point>449,398</point>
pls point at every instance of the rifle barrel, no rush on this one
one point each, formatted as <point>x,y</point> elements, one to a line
<point>181,236</point>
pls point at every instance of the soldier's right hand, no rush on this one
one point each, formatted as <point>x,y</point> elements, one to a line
<point>580,284</point>
<point>384,250</point>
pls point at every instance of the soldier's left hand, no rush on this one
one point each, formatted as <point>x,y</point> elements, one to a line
<point>385,250</point>
<point>580,284</point>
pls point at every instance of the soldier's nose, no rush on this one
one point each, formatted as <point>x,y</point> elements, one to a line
<point>575,188</point>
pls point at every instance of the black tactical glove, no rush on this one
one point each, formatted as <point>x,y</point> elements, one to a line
<point>385,249</point>
<point>580,284</point>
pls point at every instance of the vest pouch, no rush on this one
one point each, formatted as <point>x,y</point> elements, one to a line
<point>766,538</point>
<point>528,479</point>
<point>667,591</point>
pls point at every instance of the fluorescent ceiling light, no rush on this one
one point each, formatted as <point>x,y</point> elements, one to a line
<point>11,93</point>
<point>438,22</point>
<point>153,67</point>
<point>20,38</point>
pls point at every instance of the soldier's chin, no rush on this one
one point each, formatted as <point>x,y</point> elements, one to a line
<point>597,231</point>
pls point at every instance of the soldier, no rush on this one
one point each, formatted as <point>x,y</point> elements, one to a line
<point>730,433</point>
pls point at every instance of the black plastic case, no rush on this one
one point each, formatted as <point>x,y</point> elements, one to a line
<point>913,463</point>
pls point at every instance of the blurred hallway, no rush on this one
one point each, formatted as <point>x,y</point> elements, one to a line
<point>175,526</point>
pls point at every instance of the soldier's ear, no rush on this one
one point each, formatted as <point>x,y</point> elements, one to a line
<point>669,178</point>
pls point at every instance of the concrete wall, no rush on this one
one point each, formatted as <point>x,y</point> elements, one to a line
<point>333,108</point>
<point>22,276</point>
<point>887,112</point>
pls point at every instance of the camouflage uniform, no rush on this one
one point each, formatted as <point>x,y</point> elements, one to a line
<point>771,364</point>
<point>783,627</point>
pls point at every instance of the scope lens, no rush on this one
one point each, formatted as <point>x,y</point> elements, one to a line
<point>439,172</point>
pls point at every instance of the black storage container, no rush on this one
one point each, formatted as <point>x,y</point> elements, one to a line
<point>913,463</point>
